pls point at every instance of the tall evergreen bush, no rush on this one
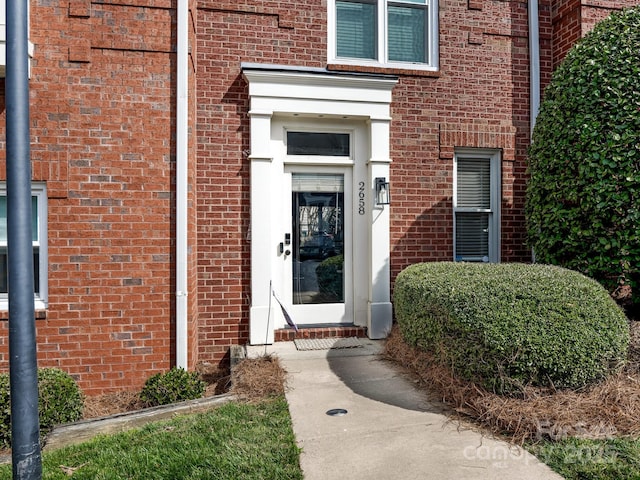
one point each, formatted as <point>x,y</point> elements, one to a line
<point>583,196</point>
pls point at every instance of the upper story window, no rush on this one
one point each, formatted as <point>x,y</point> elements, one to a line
<point>384,33</point>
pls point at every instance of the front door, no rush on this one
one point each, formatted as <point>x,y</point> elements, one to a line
<point>317,269</point>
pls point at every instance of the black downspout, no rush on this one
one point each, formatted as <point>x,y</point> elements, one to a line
<point>23,369</point>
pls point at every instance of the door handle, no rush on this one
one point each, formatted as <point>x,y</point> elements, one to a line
<point>282,250</point>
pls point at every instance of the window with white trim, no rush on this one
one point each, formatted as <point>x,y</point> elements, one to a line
<point>384,33</point>
<point>3,38</point>
<point>476,206</point>
<point>38,241</point>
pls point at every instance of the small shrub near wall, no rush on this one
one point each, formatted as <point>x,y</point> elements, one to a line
<point>59,401</point>
<point>176,385</point>
<point>506,326</point>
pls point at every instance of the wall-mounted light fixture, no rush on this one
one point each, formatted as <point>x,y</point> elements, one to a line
<point>383,196</point>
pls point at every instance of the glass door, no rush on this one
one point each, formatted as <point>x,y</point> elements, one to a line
<point>319,289</point>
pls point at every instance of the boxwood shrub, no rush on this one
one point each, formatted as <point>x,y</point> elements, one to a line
<point>506,326</point>
<point>59,401</point>
<point>176,385</point>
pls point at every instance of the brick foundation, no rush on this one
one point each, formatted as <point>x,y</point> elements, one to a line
<point>288,334</point>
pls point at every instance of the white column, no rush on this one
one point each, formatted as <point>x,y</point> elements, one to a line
<point>380,310</point>
<point>261,320</point>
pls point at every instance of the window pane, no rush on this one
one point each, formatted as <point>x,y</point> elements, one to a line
<point>326,144</point>
<point>4,270</point>
<point>472,237</point>
<point>474,183</point>
<point>407,36</point>
<point>4,266</point>
<point>34,219</point>
<point>36,270</point>
<point>3,219</point>
<point>318,238</point>
<point>356,30</point>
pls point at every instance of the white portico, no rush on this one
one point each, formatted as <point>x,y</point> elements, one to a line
<point>319,237</point>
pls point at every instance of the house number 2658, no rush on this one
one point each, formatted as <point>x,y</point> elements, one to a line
<point>361,193</point>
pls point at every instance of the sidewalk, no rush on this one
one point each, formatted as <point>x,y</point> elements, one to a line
<point>390,430</point>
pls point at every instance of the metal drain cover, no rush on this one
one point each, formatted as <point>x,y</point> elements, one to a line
<point>336,412</point>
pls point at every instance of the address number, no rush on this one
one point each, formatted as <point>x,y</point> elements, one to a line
<point>361,195</point>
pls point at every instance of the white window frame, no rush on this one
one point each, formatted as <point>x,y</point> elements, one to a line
<point>3,37</point>
<point>494,157</point>
<point>38,190</point>
<point>382,47</point>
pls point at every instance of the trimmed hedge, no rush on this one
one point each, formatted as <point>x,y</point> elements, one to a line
<point>176,385</point>
<point>506,326</point>
<point>59,401</point>
<point>584,187</point>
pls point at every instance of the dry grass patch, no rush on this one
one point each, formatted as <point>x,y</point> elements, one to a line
<point>255,379</point>
<point>611,407</point>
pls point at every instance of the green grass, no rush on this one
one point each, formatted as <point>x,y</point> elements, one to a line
<point>235,441</point>
<point>576,459</point>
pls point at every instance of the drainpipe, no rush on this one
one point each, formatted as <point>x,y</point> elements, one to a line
<point>182,164</point>
<point>534,61</point>
<point>534,73</point>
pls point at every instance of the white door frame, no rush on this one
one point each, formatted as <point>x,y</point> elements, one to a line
<point>278,93</point>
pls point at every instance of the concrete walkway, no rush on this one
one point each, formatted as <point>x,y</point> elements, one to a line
<point>390,430</point>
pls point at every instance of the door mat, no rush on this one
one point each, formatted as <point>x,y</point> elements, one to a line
<point>327,343</point>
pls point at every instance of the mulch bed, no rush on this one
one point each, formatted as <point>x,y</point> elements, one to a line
<point>610,408</point>
<point>217,380</point>
<point>251,380</point>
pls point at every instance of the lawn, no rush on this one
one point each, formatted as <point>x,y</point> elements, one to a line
<point>582,459</point>
<point>235,441</point>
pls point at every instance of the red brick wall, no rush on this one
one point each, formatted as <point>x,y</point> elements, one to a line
<point>479,98</point>
<point>573,19</point>
<point>231,32</point>
<point>102,138</point>
<point>567,27</point>
<point>103,96</point>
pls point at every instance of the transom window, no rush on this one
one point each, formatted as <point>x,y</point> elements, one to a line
<point>318,144</point>
<point>38,241</point>
<point>393,33</point>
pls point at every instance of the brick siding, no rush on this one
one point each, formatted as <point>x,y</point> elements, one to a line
<point>103,139</point>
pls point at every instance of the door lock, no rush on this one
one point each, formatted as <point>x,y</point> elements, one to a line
<point>282,250</point>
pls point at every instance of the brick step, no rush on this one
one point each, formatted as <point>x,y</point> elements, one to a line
<point>319,331</point>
